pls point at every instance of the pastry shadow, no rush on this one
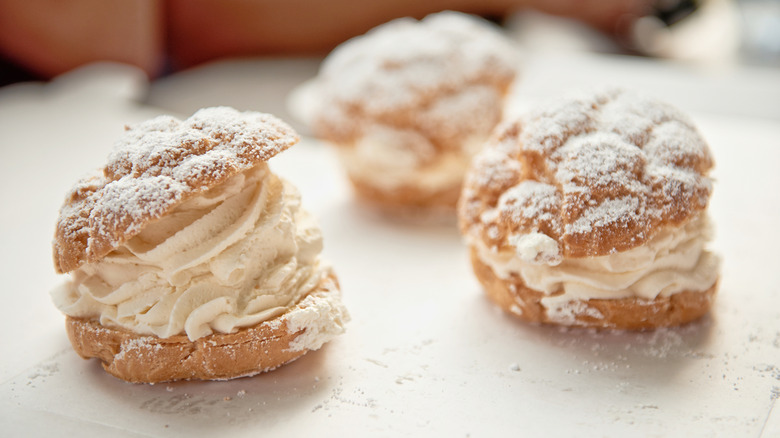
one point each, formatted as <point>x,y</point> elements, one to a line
<point>651,357</point>
<point>662,344</point>
<point>205,406</point>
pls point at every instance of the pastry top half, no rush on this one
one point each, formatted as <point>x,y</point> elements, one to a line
<point>588,176</point>
<point>441,78</point>
<point>187,232</point>
<point>155,166</point>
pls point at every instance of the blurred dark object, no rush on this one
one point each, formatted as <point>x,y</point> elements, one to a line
<point>50,37</point>
<point>711,31</point>
<point>701,31</point>
<point>10,73</point>
<point>673,11</point>
<point>44,38</point>
<point>201,30</point>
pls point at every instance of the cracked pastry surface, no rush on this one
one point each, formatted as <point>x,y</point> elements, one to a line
<point>599,198</point>
<point>187,237</point>
<point>410,102</point>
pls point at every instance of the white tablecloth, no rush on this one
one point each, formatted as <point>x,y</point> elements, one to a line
<point>426,353</point>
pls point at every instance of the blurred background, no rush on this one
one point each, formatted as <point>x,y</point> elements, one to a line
<point>40,39</point>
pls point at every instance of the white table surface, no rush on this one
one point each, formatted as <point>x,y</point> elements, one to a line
<point>426,354</point>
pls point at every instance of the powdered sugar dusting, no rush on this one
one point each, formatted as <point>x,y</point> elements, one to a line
<point>566,312</point>
<point>321,316</point>
<point>599,159</point>
<point>402,61</point>
<point>124,201</point>
<point>528,201</point>
<point>141,346</point>
<point>444,76</point>
<point>611,211</point>
<point>615,166</point>
<point>154,166</point>
<point>499,170</point>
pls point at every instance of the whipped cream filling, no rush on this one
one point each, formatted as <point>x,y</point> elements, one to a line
<point>382,158</point>
<point>673,261</point>
<point>239,254</point>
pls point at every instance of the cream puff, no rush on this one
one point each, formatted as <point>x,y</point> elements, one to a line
<point>592,211</point>
<point>409,103</point>
<point>189,259</point>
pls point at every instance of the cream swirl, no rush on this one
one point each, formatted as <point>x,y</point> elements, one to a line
<point>239,254</point>
<point>673,261</point>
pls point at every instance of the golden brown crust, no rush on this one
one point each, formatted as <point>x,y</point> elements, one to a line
<point>155,166</point>
<point>598,174</point>
<point>149,359</point>
<point>513,296</point>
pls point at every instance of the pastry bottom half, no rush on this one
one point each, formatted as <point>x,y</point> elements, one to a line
<point>515,297</point>
<point>149,359</point>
